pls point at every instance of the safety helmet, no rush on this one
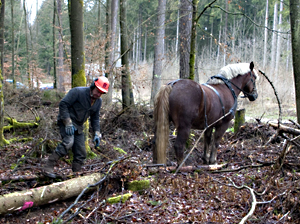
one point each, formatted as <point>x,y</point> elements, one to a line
<point>102,84</point>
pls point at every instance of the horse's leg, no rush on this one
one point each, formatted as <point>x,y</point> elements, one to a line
<point>207,142</point>
<point>219,132</point>
<point>182,137</point>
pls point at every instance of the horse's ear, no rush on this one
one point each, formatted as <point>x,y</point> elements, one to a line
<point>251,65</point>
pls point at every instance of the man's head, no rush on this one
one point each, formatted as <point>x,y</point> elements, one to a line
<point>99,86</point>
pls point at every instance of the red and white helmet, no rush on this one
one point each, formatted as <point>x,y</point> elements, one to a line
<point>102,84</point>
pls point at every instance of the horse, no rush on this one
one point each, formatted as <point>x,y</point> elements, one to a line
<point>190,105</point>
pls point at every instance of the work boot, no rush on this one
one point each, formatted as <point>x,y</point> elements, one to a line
<point>50,163</point>
<point>76,167</point>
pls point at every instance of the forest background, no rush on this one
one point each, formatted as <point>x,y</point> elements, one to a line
<point>227,32</point>
<point>159,40</point>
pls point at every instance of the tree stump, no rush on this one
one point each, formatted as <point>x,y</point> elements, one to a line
<point>239,119</point>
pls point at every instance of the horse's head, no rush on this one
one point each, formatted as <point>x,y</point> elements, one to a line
<point>249,89</point>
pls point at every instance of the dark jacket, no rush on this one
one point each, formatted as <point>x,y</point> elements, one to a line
<point>77,106</point>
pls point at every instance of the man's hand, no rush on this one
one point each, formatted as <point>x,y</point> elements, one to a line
<point>69,127</point>
<point>97,139</point>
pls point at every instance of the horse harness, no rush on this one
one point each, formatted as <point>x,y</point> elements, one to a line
<point>228,84</point>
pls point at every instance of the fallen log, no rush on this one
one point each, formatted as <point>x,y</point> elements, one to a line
<point>22,200</point>
<point>286,129</point>
<point>154,168</point>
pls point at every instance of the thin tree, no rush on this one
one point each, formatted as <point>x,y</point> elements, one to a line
<point>278,51</point>
<point>195,19</point>
<point>114,18</point>
<point>108,35</point>
<point>13,44</point>
<point>158,49</point>
<point>295,29</point>
<point>27,45</point>
<point>273,50</point>
<point>193,40</point>
<point>266,34</point>
<point>60,84</point>
<point>54,43</point>
<point>2,13</point>
<point>127,93</point>
<point>3,141</point>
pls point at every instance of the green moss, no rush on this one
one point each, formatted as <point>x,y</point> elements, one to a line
<point>138,185</point>
<point>120,150</point>
<point>239,119</point>
<point>79,79</point>
<point>117,199</point>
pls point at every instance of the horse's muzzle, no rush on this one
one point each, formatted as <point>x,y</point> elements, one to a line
<point>253,96</point>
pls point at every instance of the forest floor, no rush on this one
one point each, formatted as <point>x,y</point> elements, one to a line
<point>250,173</point>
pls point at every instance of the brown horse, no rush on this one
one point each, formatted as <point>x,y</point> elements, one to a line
<point>190,105</point>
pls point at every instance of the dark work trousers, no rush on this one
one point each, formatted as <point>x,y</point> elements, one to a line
<point>76,142</point>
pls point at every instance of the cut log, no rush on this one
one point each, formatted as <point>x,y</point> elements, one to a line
<point>22,200</point>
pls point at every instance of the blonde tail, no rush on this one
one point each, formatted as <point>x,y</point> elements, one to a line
<point>161,122</point>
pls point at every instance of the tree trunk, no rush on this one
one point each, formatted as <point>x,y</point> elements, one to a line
<point>225,33</point>
<point>54,44</point>
<point>108,43</point>
<point>77,46</point>
<point>177,31</point>
<point>99,14</point>
<point>3,141</point>
<point>273,50</point>
<point>158,49</point>
<point>2,13</point>
<point>266,35</point>
<point>60,81</point>
<point>13,44</point>
<point>295,28</point>
<point>185,25</point>
<point>193,40</point>
<point>22,200</point>
<point>114,18</point>
<point>145,44</point>
<point>127,94</point>
<point>278,51</point>
<point>27,46</point>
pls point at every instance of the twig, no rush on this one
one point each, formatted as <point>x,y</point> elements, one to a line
<point>295,123</point>
<point>275,92</point>
<point>33,111</point>
<point>242,167</point>
<point>136,213</point>
<point>254,201</point>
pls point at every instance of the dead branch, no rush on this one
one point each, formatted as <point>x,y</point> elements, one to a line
<point>88,187</point>
<point>285,129</point>
<point>155,168</point>
<point>286,148</point>
<point>243,167</point>
<point>190,152</point>
<point>276,94</point>
<point>295,123</point>
<point>254,201</point>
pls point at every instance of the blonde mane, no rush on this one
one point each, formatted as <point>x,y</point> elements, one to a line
<point>232,70</point>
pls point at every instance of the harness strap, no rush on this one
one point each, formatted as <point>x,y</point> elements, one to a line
<point>205,115</point>
<point>228,84</point>
<point>218,94</point>
<point>172,83</point>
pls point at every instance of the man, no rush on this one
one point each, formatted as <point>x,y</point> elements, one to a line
<point>75,108</point>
